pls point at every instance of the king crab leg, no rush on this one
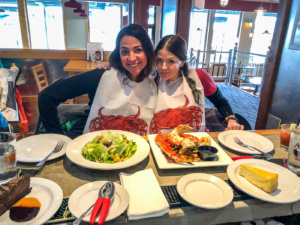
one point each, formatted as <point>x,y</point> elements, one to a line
<point>160,139</point>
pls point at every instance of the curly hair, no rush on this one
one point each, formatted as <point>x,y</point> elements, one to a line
<point>139,33</point>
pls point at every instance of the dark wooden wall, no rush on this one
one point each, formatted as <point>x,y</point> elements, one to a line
<point>285,101</point>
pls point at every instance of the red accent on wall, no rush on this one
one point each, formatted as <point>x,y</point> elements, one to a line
<point>141,13</point>
<point>245,6</point>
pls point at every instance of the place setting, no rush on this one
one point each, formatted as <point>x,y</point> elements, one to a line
<point>42,195</point>
<point>265,180</point>
<point>246,142</point>
<point>35,148</point>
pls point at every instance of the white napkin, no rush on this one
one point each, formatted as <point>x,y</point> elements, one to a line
<point>146,197</point>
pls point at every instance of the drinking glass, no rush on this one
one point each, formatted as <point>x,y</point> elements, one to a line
<point>293,162</point>
<point>8,169</point>
<point>285,135</point>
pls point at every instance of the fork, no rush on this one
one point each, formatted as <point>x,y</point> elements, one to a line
<point>57,148</point>
<point>239,142</point>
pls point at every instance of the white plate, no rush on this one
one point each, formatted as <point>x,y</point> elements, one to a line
<point>85,196</point>
<point>163,163</point>
<point>35,148</point>
<point>205,191</point>
<point>74,150</point>
<point>288,183</point>
<point>48,193</point>
<point>250,138</point>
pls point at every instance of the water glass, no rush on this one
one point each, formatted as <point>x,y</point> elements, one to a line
<point>293,162</point>
<point>8,169</point>
<point>285,135</point>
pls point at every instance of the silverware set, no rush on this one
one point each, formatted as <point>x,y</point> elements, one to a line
<point>239,142</point>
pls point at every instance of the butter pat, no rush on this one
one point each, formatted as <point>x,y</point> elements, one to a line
<point>265,180</point>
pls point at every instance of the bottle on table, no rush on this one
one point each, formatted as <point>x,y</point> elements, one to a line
<point>293,162</point>
<point>98,56</point>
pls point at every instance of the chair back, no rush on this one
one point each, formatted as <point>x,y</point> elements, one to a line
<point>39,74</point>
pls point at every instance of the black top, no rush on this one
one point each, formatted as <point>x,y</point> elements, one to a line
<point>62,90</point>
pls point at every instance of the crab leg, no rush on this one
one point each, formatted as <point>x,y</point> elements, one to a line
<point>180,129</point>
<point>198,141</point>
<point>160,139</point>
<point>173,137</point>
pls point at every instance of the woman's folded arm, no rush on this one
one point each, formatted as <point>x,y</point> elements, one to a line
<point>62,90</point>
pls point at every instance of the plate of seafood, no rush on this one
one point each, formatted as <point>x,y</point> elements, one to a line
<point>181,149</point>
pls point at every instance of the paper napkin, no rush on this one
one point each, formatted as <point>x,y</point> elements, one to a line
<point>146,197</point>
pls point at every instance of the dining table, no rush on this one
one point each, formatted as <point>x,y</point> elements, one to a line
<point>78,66</point>
<point>251,81</point>
<point>70,176</point>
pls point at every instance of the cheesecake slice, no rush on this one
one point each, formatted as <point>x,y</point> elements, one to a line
<point>265,180</point>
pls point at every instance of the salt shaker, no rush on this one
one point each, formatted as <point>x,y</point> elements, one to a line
<point>294,151</point>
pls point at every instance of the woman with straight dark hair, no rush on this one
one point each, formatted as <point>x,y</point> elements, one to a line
<point>182,92</point>
<point>122,98</point>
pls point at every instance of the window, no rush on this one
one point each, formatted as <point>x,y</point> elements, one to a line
<point>46,24</point>
<point>152,23</point>
<point>100,29</point>
<point>225,30</point>
<point>262,37</point>
<point>197,29</point>
<point>9,25</point>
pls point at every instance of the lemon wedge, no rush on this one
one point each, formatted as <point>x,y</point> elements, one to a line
<point>293,125</point>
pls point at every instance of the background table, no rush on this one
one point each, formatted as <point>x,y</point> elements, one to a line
<point>79,66</point>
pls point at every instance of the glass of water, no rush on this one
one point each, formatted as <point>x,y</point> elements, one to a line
<point>8,169</point>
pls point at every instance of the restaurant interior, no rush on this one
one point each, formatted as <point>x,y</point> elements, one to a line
<point>251,46</point>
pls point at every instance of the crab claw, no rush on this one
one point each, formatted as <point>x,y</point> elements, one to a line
<point>180,129</point>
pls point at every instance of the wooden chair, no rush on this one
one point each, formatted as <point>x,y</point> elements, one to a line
<point>39,74</point>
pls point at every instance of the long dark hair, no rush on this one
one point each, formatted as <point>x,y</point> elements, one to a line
<point>177,46</point>
<point>139,33</point>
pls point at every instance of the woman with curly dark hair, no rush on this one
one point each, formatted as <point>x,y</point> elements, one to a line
<point>122,98</point>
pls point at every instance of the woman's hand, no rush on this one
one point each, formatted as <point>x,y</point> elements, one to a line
<point>104,65</point>
<point>233,125</point>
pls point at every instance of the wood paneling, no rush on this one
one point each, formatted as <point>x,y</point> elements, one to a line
<point>183,18</point>
<point>29,98</point>
<point>24,23</point>
<point>273,63</point>
<point>141,13</point>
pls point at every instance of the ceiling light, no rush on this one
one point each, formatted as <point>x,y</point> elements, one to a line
<point>73,4</point>
<point>260,11</point>
<point>224,3</point>
<point>83,15</point>
<point>266,32</point>
<point>78,10</point>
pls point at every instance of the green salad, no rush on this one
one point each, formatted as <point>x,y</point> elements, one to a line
<point>109,148</point>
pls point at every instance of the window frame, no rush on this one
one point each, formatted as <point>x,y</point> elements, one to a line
<point>25,31</point>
